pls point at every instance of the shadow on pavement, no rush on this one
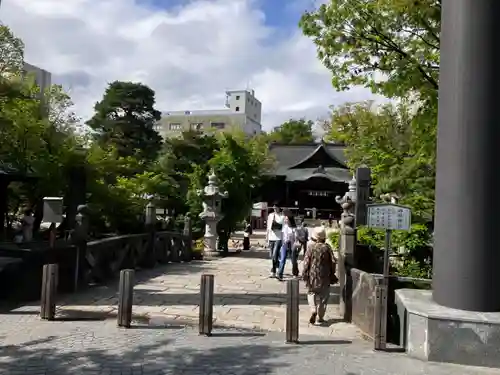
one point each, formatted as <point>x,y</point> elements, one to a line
<point>164,356</point>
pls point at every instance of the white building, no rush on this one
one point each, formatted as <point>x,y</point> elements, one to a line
<point>243,112</point>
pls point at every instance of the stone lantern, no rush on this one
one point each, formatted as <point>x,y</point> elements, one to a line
<point>212,202</point>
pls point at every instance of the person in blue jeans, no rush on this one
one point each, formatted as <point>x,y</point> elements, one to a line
<point>273,237</point>
<point>288,247</point>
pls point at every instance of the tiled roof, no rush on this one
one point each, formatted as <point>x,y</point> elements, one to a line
<point>288,156</point>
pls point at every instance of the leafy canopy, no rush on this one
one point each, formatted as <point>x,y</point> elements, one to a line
<point>390,46</point>
<point>126,118</point>
<point>388,139</point>
<point>293,131</point>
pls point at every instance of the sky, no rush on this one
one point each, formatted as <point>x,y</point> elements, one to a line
<point>189,51</point>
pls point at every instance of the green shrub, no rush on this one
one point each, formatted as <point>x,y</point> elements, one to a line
<point>414,242</point>
<point>334,238</point>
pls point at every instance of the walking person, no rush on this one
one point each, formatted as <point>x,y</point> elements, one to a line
<point>288,246</point>
<point>246,235</point>
<point>27,225</point>
<point>273,237</point>
<point>302,236</point>
<point>318,274</point>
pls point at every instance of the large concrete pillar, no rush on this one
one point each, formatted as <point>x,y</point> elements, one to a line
<point>467,226</point>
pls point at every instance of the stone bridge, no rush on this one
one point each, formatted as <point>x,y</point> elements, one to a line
<point>249,317</point>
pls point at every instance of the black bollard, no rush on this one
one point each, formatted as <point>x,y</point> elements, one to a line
<point>49,291</point>
<point>206,304</point>
<point>380,319</point>
<point>125,298</point>
<point>292,311</point>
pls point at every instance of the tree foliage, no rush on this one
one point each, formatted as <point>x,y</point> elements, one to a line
<point>126,118</point>
<point>293,131</point>
<point>11,53</point>
<point>390,46</point>
<point>124,158</point>
<point>388,139</point>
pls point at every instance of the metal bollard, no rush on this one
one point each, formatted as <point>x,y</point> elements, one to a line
<point>380,323</point>
<point>292,311</point>
<point>49,291</point>
<point>206,304</point>
<point>125,298</point>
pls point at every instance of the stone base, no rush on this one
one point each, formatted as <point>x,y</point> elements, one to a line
<point>211,254</point>
<point>435,333</point>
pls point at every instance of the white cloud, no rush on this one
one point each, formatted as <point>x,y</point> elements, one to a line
<point>189,55</point>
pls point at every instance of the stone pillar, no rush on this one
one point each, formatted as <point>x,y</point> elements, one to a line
<point>79,239</point>
<point>188,235</point>
<point>149,259</point>
<point>347,248</point>
<point>363,184</point>
<point>466,254</point>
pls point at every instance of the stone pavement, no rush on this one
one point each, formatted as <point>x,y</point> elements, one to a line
<point>85,340</point>
<point>245,297</point>
<point>100,348</point>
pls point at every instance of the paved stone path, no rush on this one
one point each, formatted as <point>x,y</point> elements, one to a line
<point>85,340</point>
<point>100,348</point>
<point>245,297</point>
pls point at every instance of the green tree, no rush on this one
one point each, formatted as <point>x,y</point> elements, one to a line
<point>388,139</point>
<point>240,165</point>
<point>126,118</point>
<point>181,158</point>
<point>292,132</point>
<point>390,46</point>
<point>11,53</point>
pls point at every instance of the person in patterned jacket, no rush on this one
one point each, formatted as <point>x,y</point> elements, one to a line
<point>318,273</point>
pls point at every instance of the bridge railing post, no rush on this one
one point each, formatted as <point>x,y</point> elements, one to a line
<point>50,278</point>
<point>125,298</point>
<point>149,259</point>
<point>206,305</point>
<point>380,318</point>
<point>188,238</point>
<point>292,311</point>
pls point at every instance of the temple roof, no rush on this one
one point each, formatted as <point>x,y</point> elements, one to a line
<point>314,160</point>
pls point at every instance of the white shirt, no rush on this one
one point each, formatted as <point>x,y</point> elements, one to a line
<point>288,234</point>
<point>274,235</point>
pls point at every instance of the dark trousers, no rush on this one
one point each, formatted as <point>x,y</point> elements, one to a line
<point>246,243</point>
<point>274,252</point>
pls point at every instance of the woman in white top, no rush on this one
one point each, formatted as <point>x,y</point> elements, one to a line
<point>287,246</point>
<point>273,237</point>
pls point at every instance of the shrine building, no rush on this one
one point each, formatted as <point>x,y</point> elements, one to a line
<point>306,179</point>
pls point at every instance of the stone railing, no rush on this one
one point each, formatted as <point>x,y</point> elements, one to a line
<point>105,258</point>
<point>83,263</point>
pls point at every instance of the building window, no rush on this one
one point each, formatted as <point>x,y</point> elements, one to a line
<point>157,127</point>
<point>237,97</point>
<point>174,126</point>
<point>237,109</point>
<point>218,125</point>
<point>197,126</point>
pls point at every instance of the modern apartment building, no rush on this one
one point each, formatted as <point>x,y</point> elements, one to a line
<point>243,112</point>
<point>42,77</point>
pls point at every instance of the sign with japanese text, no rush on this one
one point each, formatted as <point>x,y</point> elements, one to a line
<point>389,216</point>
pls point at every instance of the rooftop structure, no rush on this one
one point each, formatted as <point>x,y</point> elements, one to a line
<point>243,111</point>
